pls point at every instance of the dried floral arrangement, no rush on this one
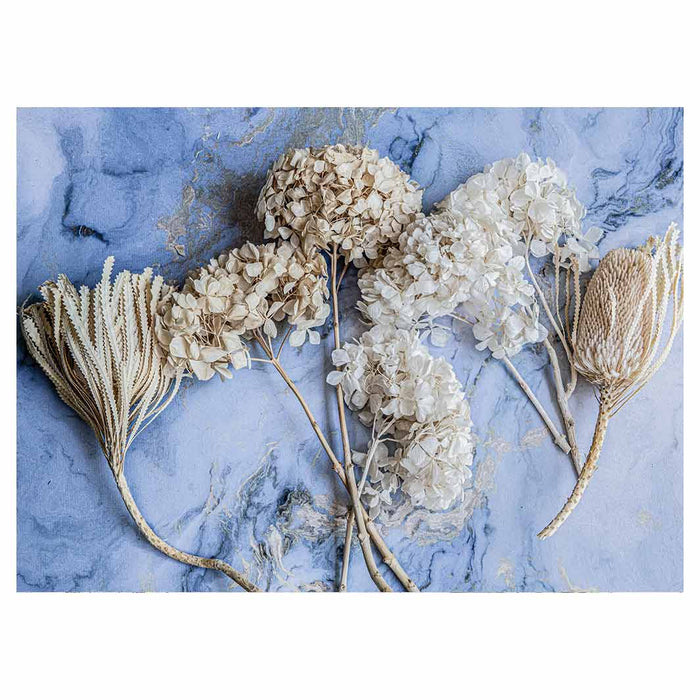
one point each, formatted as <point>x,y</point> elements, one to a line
<point>117,353</point>
<point>471,261</point>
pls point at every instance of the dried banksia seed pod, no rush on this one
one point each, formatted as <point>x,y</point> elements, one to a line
<point>99,348</point>
<point>617,342</point>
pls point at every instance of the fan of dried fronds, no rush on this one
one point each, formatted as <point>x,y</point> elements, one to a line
<point>98,347</point>
<point>618,340</point>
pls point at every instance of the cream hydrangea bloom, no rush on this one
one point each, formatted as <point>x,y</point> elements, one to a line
<point>442,262</point>
<point>521,198</point>
<point>204,327</point>
<point>389,373</point>
<point>338,194</point>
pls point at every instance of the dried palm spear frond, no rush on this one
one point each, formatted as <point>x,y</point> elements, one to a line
<point>98,347</point>
<point>618,339</point>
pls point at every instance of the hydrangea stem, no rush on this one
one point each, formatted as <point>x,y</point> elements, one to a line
<point>563,394</point>
<point>387,556</point>
<point>362,534</point>
<point>559,440</point>
<point>169,550</point>
<point>563,402</point>
<point>346,551</point>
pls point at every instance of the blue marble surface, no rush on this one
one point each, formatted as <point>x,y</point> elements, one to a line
<point>232,469</point>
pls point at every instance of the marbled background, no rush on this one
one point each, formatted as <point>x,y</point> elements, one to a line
<point>232,469</point>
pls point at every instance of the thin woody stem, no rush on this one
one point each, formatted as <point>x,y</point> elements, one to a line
<point>284,340</point>
<point>342,274</point>
<point>558,438</point>
<point>347,454</point>
<point>563,402</point>
<point>562,393</point>
<point>346,551</point>
<point>362,534</point>
<point>387,556</point>
<point>169,550</point>
<point>545,304</point>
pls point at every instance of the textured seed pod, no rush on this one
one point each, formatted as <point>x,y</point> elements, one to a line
<point>617,340</point>
<point>614,335</point>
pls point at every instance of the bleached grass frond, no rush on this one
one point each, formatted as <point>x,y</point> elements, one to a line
<point>99,348</point>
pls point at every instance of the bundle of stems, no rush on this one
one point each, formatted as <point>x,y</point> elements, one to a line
<point>98,347</point>
<point>368,532</point>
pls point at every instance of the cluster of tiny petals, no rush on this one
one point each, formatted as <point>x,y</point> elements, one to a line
<point>529,200</point>
<point>389,374</point>
<point>342,195</point>
<point>443,262</point>
<point>203,327</point>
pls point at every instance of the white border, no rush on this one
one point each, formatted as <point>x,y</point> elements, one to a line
<point>360,53</point>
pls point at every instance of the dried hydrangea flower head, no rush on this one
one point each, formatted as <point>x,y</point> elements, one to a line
<point>618,339</point>
<point>530,200</point>
<point>99,348</point>
<point>471,253</point>
<point>434,460</point>
<point>442,262</point>
<point>343,195</point>
<point>204,327</point>
<point>414,399</point>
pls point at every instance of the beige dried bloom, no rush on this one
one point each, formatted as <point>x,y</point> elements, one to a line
<point>204,327</point>
<point>343,195</point>
<point>618,340</point>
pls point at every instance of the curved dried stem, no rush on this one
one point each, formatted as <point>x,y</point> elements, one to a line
<point>586,472</point>
<point>167,549</point>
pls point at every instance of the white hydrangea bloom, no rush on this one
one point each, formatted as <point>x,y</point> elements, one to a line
<point>442,262</point>
<point>338,194</point>
<point>519,197</point>
<point>434,462</point>
<point>204,326</point>
<point>390,373</point>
